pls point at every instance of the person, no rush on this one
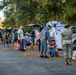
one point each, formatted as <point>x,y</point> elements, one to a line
<point>21,37</point>
<point>6,40</point>
<point>44,39</point>
<point>25,43</point>
<point>14,35</point>
<point>39,42</point>
<point>15,38</point>
<point>10,39</point>
<point>67,44</point>
<point>52,48</point>
<point>32,38</point>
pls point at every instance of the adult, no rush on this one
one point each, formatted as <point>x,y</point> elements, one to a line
<point>67,44</point>
<point>15,37</point>
<point>39,44</point>
<point>14,34</point>
<point>21,37</point>
<point>32,38</point>
<point>7,40</point>
<point>44,37</point>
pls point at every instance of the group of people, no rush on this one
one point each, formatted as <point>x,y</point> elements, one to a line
<point>67,44</point>
<point>18,38</point>
<point>46,42</point>
<point>23,39</point>
<point>6,39</point>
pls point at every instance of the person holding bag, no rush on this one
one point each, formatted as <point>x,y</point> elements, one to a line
<point>21,37</point>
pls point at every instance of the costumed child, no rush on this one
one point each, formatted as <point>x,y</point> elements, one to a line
<point>52,48</point>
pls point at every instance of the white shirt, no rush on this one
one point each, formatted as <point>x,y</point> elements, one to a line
<point>52,31</point>
<point>20,34</point>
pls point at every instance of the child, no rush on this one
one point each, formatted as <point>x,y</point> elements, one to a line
<point>52,48</point>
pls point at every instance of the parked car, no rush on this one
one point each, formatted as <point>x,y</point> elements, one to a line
<point>73,28</point>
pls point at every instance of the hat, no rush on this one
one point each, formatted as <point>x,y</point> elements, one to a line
<point>67,26</point>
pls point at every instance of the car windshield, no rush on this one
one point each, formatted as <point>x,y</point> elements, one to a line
<point>74,29</point>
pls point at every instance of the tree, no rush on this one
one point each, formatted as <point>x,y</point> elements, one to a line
<point>19,12</point>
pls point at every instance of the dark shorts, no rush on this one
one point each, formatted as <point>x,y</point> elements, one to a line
<point>15,39</point>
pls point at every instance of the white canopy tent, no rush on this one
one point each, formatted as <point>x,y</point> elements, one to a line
<point>57,27</point>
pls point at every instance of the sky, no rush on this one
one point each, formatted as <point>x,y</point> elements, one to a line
<point>1,13</point>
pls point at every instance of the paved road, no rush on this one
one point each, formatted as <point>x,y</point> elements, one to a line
<point>14,62</point>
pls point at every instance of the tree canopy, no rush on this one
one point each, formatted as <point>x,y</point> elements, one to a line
<point>17,12</point>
